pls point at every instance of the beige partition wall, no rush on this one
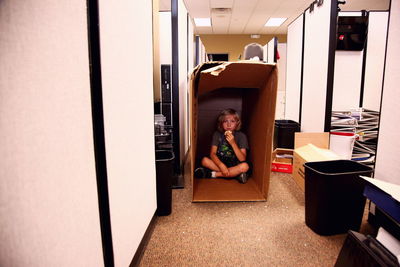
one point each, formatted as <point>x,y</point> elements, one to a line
<point>387,167</point>
<point>348,75</point>
<point>183,76</point>
<point>48,194</point>
<point>293,69</point>
<point>316,67</point>
<point>127,69</point>
<point>375,60</point>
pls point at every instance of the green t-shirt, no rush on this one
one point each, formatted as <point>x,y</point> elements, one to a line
<point>225,151</point>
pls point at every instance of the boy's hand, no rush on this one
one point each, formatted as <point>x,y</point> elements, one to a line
<point>224,170</point>
<point>229,137</point>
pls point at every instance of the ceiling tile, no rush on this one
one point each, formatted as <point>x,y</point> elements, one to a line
<point>221,3</point>
<point>198,9</point>
<point>220,23</point>
<point>249,16</point>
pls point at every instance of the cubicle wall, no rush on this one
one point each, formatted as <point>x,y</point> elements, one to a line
<point>183,73</point>
<point>318,66</point>
<point>127,69</point>
<point>387,167</point>
<point>359,74</point>
<point>294,69</point>
<point>375,59</point>
<point>271,51</point>
<point>49,213</point>
<point>348,76</point>
<point>322,79</point>
<point>271,48</point>
<point>281,63</point>
<point>165,37</point>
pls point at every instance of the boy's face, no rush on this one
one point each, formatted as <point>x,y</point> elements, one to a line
<point>229,123</point>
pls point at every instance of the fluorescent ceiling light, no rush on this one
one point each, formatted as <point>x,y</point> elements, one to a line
<point>275,22</point>
<point>202,22</point>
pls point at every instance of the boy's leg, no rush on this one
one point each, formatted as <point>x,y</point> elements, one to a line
<point>208,163</point>
<point>235,170</point>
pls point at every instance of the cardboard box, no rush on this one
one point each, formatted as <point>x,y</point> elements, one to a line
<point>250,88</point>
<point>310,147</point>
<point>282,164</point>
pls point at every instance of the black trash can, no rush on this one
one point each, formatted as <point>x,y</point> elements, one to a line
<point>284,133</point>
<point>334,200</point>
<point>164,173</point>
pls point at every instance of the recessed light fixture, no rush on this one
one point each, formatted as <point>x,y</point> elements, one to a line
<point>202,22</point>
<point>275,22</point>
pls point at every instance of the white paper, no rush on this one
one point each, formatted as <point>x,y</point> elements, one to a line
<point>389,241</point>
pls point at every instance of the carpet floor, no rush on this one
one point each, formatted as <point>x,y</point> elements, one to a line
<point>271,233</point>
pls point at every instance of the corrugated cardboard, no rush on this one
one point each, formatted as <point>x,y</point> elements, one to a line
<point>250,88</point>
<point>320,140</point>
<point>282,164</point>
<point>306,150</point>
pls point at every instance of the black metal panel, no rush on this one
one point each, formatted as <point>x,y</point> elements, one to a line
<point>175,84</point>
<point>302,68</point>
<point>166,86</point>
<point>98,131</point>
<point>331,66</point>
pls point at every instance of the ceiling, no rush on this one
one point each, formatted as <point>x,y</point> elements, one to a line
<point>249,16</point>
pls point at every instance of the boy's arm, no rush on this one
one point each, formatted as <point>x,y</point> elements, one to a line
<point>217,161</point>
<point>239,152</point>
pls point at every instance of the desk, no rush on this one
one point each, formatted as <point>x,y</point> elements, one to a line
<point>386,196</point>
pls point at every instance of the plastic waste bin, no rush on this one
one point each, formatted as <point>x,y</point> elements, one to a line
<point>284,133</point>
<point>164,173</point>
<point>334,200</point>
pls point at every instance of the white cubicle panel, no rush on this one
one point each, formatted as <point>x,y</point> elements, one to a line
<point>293,69</point>
<point>387,166</point>
<point>281,64</point>
<point>270,58</point>
<point>127,98</point>
<point>165,37</point>
<point>347,80</point>
<point>348,76</point>
<point>183,72</point>
<point>375,59</point>
<point>316,55</point>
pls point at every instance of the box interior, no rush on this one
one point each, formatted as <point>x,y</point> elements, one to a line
<point>280,151</point>
<point>250,89</point>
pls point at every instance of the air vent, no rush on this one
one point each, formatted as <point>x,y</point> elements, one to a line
<point>221,10</point>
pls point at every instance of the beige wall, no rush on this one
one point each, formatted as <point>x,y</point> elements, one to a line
<point>156,52</point>
<point>233,44</point>
<point>127,70</point>
<point>387,166</point>
<point>48,195</point>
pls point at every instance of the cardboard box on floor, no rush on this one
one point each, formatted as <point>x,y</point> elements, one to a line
<point>250,88</point>
<point>310,147</point>
<point>282,164</point>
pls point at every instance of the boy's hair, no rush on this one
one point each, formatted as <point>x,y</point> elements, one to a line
<point>221,118</point>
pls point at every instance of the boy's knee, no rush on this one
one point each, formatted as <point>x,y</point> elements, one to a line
<point>204,161</point>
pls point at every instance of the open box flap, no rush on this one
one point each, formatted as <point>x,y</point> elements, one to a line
<point>243,74</point>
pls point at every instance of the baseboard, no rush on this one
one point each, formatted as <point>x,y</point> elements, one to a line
<point>143,244</point>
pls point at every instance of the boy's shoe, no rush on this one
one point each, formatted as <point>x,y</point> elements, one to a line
<point>242,178</point>
<point>202,173</point>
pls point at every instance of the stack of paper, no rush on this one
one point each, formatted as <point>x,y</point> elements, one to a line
<point>364,124</point>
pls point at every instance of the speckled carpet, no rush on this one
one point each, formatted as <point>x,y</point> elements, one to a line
<point>271,233</point>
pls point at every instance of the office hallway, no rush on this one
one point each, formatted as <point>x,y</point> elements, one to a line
<point>271,233</point>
